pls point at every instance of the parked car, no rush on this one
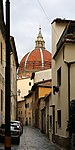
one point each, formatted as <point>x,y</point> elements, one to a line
<point>19,125</point>
<point>15,134</point>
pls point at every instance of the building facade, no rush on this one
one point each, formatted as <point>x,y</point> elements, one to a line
<point>13,69</point>
<point>28,109</point>
<point>2,64</point>
<point>63,83</point>
<point>21,111</point>
<point>40,91</point>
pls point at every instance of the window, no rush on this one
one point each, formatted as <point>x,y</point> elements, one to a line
<point>25,112</point>
<point>1,51</point>
<point>27,105</point>
<point>59,76</point>
<point>59,118</point>
<point>18,92</point>
<point>11,108</point>
<point>51,121</point>
<point>1,100</point>
<point>21,112</point>
<point>29,91</point>
<point>29,83</point>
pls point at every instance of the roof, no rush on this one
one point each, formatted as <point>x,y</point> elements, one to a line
<point>37,59</point>
<point>28,95</point>
<point>45,83</point>
<point>59,20</point>
<point>20,101</point>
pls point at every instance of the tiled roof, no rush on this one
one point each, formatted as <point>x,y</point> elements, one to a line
<point>33,60</point>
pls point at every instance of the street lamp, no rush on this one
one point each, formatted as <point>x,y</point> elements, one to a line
<point>69,115</point>
<point>7,80</point>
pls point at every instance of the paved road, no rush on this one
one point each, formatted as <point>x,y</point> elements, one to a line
<point>33,139</point>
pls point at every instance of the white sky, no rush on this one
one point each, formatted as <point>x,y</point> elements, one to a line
<point>28,15</point>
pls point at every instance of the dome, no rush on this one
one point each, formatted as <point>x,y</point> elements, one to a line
<point>36,60</point>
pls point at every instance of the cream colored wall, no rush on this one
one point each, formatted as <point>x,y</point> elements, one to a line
<point>23,85</point>
<point>43,75</point>
<point>69,56</point>
<point>69,52</point>
<point>2,77</point>
<point>60,100</point>
<point>57,30</point>
<point>43,91</point>
<point>13,87</point>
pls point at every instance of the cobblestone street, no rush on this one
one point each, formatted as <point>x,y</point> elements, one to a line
<point>33,139</point>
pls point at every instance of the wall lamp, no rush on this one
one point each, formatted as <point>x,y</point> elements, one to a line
<point>55,89</point>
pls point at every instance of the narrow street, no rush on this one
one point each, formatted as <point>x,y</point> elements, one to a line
<point>33,139</point>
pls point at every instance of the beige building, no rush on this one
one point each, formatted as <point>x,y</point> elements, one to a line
<point>63,70</point>
<point>13,70</point>
<point>28,109</point>
<point>23,87</point>
<point>42,75</point>
<point>2,64</point>
<point>40,91</point>
<point>21,111</point>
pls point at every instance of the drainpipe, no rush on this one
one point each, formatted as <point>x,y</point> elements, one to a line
<point>70,133</point>
<point>7,80</point>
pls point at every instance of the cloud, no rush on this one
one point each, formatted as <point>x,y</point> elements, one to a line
<point>27,15</point>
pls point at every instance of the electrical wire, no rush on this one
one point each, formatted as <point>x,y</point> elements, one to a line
<point>46,16</point>
<point>43,11</point>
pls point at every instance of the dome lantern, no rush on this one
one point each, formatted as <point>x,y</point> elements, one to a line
<point>40,43</point>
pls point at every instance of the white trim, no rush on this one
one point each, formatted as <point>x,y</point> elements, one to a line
<point>42,59</point>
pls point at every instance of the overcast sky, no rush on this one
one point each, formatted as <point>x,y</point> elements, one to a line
<point>28,15</point>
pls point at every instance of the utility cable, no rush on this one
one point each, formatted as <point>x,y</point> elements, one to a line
<point>46,16</point>
<point>43,11</point>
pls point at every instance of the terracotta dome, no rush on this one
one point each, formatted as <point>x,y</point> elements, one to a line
<point>36,60</point>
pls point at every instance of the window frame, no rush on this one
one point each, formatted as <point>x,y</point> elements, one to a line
<point>59,77</point>
<point>59,118</point>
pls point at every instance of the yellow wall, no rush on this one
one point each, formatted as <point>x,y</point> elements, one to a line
<point>44,91</point>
